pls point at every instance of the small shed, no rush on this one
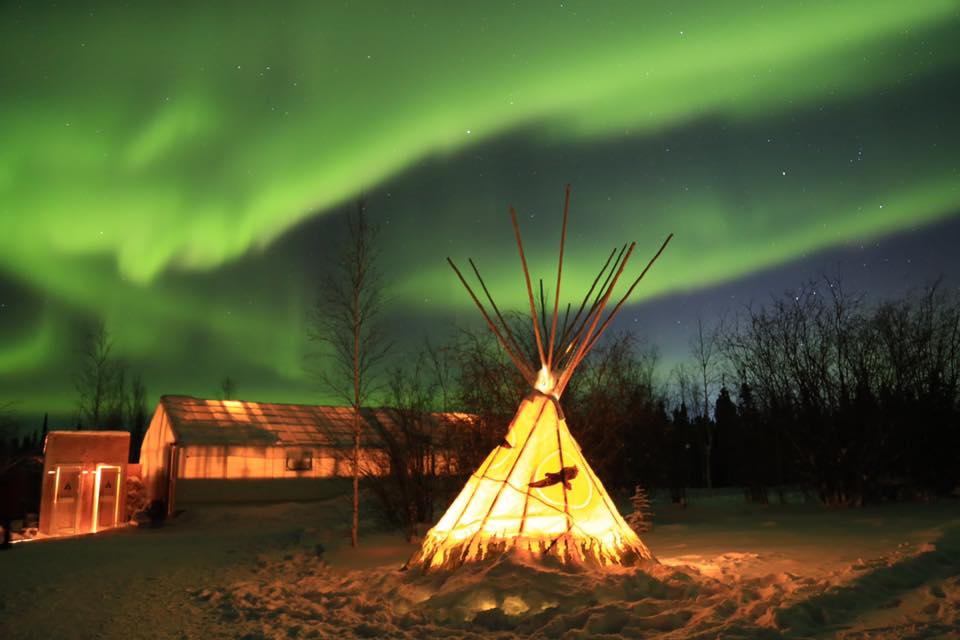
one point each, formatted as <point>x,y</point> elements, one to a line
<point>84,486</point>
<point>198,450</point>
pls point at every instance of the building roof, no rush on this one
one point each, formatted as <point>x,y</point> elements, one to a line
<point>87,435</point>
<point>238,422</point>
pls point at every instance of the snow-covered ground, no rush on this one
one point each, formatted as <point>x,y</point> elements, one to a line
<point>726,570</point>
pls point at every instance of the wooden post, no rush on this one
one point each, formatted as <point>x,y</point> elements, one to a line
<point>526,276</point>
<point>556,300</point>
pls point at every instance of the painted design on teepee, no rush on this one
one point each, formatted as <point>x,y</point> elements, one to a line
<point>535,493</point>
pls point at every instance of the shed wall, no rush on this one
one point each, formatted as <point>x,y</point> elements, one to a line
<point>218,473</point>
<point>154,455</point>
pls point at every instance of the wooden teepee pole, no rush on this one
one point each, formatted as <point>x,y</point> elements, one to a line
<point>565,344</point>
<point>517,360</point>
<point>602,293</point>
<point>543,312</point>
<point>526,276</point>
<point>616,309</point>
<point>496,310</point>
<point>568,370</point>
<point>556,300</point>
<point>563,327</point>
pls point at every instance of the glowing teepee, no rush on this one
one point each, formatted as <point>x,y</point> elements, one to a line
<point>535,493</point>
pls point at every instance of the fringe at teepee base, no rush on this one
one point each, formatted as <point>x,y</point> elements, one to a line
<point>567,551</point>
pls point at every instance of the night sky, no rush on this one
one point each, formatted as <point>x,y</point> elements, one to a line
<point>183,172</point>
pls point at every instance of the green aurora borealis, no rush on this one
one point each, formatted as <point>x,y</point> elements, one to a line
<point>178,170</point>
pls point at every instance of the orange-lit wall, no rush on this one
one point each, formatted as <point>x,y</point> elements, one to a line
<point>225,462</point>
<point>153,455</point>
<point>194,463</point>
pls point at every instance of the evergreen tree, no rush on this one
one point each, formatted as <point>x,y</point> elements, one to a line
<point>641,518</point>
<point>136,415</point>
<point>680,455</point>
<point>727,439</point>
<point>755,454</point>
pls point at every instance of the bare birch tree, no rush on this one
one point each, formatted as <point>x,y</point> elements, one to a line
<point>705,350</point>
<point>347,323</point>
<point>98,376</point>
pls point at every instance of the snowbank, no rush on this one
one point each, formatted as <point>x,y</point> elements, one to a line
<point>726,569</point>
<point>913,591</point>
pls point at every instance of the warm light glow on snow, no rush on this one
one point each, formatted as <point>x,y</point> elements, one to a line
<point>514,606</point>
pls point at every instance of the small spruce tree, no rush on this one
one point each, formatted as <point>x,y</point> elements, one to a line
<point>641,518</point>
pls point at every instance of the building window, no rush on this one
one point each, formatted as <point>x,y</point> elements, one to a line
<point>299,460</point>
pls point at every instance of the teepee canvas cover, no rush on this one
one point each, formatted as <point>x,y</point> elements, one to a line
<point>535,493</point>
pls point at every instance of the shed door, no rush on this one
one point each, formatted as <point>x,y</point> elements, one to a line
<point>66,501</point>
<point>108,496</point>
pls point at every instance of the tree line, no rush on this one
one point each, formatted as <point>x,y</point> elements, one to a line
<point>817,390</point>
<point>858,402</point>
